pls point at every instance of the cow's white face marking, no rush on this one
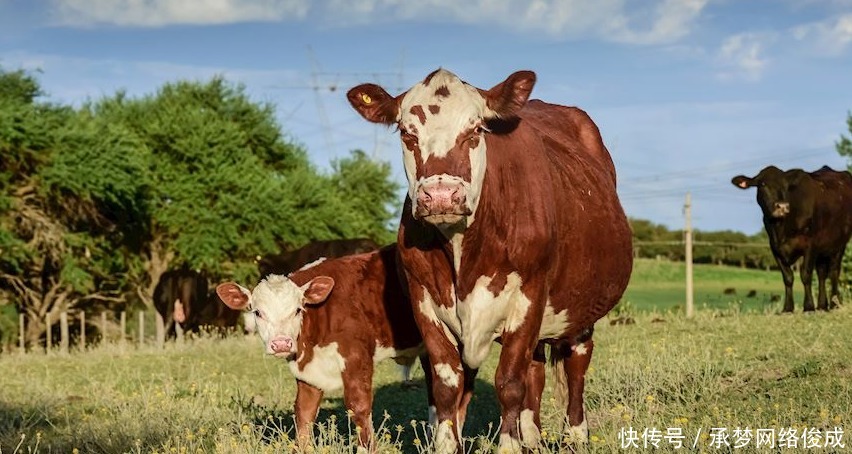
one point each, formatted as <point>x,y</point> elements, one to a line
<point>325,369</point>
<point>580,349</point>
<point>277,305</point>
<point>435,116</point>
<point>448,374</point>
<point>484,316</point>
<point>530,433</point>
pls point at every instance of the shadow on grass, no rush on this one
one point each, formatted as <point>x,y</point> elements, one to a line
<point>404,405</point>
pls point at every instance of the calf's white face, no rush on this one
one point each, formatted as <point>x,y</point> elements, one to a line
<point>277,306</point>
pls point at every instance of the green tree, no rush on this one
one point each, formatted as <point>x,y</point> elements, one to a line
<point>96,203</point>
<point>844,148</point>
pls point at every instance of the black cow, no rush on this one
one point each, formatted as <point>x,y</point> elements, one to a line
<point>809,216</point>
<point>176,296</point>
<point>288,262</point>
<point>182,296</point>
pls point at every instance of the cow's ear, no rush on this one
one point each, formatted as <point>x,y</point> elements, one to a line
<point>318,289</point>
<point>743,182</point>
<point>509,96</point>
<point>374,103</point>
<point>233,295</point>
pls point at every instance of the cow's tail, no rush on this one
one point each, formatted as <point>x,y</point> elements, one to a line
<point>560,377</point>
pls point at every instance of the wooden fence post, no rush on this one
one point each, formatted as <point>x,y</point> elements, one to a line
<point>141,329</point>
<point>161,330</point>
<point>49,339</point>
<point>63,332</point>
<point>123,326</point>
<point>22,338</point>
<point>82,330</point>
<point>103,328</point>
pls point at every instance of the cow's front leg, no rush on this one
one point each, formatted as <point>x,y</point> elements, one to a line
<point>467,393</point>
<point>511,384</point>
<point>787,275</point>
<point>358,397</point>
<point>447,391</point>
<point>307,404</point>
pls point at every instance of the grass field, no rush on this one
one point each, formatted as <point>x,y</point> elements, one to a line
<point>661,285</point>
<point>725,368</point>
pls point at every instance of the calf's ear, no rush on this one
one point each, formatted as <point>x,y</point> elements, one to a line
<point>374,103</point>
<point>743,182</point>
<point>318,289</point>
<point>233,295</point>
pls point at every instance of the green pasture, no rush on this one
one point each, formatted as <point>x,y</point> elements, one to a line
<point>660,285</point>
<point>726,368</point>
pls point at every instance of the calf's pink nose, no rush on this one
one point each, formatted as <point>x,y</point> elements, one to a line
<point>281,344</point>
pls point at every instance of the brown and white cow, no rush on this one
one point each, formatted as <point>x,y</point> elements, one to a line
<point>512,231</point>
<point>332,321</point>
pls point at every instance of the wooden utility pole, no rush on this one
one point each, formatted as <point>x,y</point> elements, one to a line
<point>687,233</point>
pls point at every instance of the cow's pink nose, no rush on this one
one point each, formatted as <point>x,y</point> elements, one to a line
<point>281,344</point>
<point>441,198</point>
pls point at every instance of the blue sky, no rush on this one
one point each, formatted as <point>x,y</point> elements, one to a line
<point>687,93</point>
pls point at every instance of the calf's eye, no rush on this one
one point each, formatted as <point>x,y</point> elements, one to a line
<point>258,314</point>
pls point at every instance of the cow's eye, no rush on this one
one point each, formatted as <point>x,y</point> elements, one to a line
<point>258,314</point>
<point>299,311</point>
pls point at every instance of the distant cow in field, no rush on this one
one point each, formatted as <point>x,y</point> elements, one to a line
<point>807,215</point>
<point>181,297</point>
<point>512,231</point>
<point>332,321</point>
<point>290,261</point>
<point>177,296</point>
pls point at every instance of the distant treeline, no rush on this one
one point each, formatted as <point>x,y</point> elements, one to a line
<point>723,247</point>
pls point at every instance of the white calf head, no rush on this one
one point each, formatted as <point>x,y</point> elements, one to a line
<point>277,305</point>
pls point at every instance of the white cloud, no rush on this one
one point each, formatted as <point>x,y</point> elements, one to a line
<point>657,22</point>
<point>653,22</point>
<point>741,56</point>
<point>829,37</point>
<point>157,13</point>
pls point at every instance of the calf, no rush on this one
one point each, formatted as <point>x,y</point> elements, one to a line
<point>332,322</point>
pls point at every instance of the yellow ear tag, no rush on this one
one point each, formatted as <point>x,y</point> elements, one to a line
<point>366,98</point>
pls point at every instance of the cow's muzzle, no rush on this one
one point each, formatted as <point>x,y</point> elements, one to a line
<point>441,202</point>
<point>780,209</point>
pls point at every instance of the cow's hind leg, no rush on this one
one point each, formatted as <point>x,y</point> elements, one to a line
<point>822,273</point>
<point>531,414</point>
<point>834,277</point>
<point>806,273</point>
<point>571,358</point>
